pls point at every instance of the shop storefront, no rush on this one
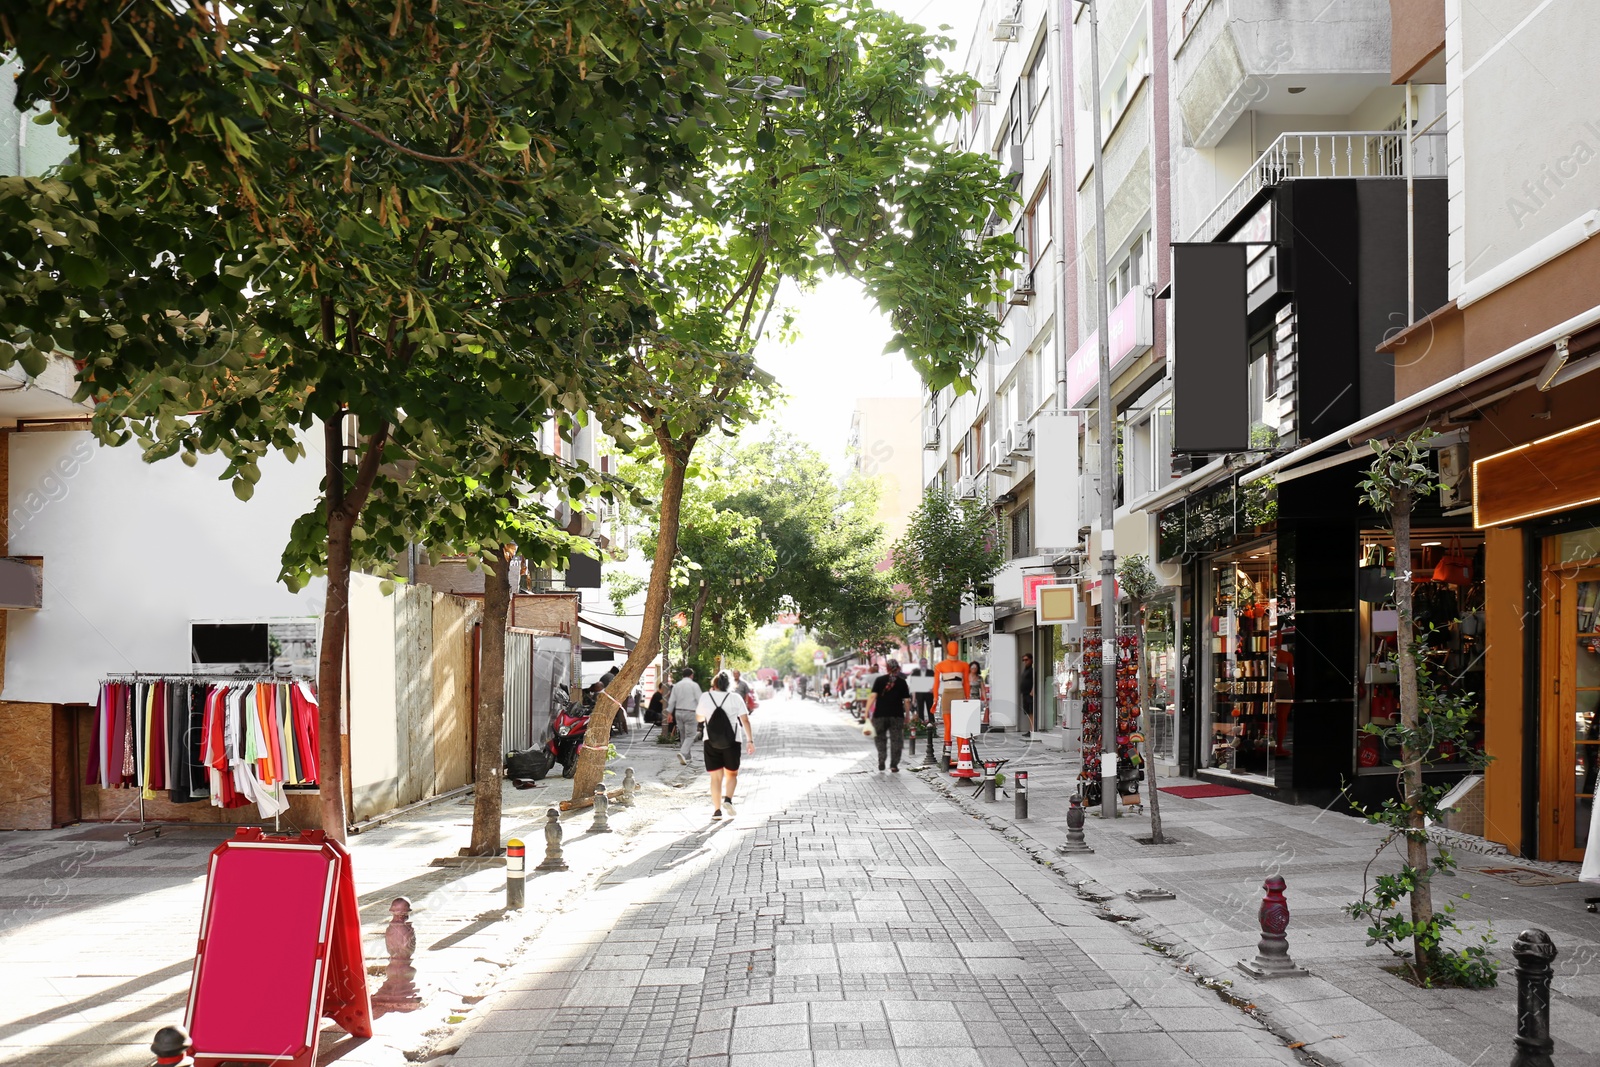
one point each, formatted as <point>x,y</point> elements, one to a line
<point>1536,506</point>
<point>1288,601</point>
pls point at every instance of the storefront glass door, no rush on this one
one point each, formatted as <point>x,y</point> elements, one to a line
<point>1572,732</point>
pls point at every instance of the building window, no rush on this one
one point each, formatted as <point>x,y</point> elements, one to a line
<point>1122,81</point>
<point>1021,532</point>
<point>1038,79</point>
<point>1129,272</point>
<point>1037,225</point>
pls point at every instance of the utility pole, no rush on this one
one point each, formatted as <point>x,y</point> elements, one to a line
<point>1108,457</point>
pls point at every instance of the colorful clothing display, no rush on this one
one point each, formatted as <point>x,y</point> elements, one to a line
<point>232,743</point>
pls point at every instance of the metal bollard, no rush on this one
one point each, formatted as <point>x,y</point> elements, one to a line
<point>1534,952</point>
<point>601,824</point>
<point>171,1047</point>
<point>929,757</point>
<point>988,780</point>
<point>1272,951</point>
<point>553,859</point>
<point>630,786</point>
<point>1075,841</point>
<point>516,874</point>
<point>399,989</point>
<point>1020,791</point>
<point>944,757</point>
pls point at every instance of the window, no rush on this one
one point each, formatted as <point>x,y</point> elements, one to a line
<point>1129,273</point>
<point>1038,79</point>
<point>1148,439</point>
<point>1121,82</point>
<point>1015,115</point>
<point>1037,225</point>
<point>1021,532</point>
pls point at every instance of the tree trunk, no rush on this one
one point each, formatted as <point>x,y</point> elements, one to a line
<point>1156,837</point>
<point>1410,719</point>
<point>592,754</point>
<point>343,505</point>
<point>692,649</point>
<point>491,710</point>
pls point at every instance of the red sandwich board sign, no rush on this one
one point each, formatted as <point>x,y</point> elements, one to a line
<point>279,951</point>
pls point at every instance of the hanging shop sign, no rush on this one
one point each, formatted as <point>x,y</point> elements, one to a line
<point>1057,604</point>
<point>1128,326</point>
<point>1542,477</point>
<point>280,932</point>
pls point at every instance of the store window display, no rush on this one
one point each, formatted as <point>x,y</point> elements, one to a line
<point>1446,571</point>
<point>1250,668</point>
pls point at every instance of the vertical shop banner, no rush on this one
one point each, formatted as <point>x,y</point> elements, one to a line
<point>1210,349</point>
<point>279,951</point>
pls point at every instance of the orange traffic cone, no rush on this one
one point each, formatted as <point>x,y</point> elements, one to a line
<point>963,767</point>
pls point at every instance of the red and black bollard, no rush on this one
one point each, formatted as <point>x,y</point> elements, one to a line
<point>1272,951</point>
<point>172,1047</point>
<point>1534,952</point>
<point>1020,792</point>
<point>989,774</point>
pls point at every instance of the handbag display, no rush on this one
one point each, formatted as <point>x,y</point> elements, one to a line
<point>1375,579</point>
<point>1454,567</point>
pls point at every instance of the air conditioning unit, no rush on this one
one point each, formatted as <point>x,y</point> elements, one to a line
<point>967,488</point>
<point>1021,287</point>
<point>1005,29</point>
<point>989,92</point>
<point>999,456</point>
<point>1020,439</point>
<point>930,438</point>
<point>1455,476</point>
<point>1014,158</point>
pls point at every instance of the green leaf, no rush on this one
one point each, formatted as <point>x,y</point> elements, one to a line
<point>83,271</point>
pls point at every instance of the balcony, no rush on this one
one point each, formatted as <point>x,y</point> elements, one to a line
<point>1303,156</point>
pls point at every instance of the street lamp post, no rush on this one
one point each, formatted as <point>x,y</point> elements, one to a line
<point>1108,457</point>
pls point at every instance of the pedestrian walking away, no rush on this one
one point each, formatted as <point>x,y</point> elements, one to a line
<point>889,706</point>
<point>681,704</point>
<point>1025,694</point>
<point>727,725</point>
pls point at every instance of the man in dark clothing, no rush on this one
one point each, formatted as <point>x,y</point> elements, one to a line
<point>890,706</point>
<point>922,700</point>
<point>1025,692</point>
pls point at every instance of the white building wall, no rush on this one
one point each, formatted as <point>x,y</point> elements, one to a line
<point>133,552</point>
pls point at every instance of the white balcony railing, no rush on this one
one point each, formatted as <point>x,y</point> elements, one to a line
<point>1346,154</point>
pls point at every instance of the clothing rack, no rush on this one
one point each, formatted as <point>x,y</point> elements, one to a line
<point>154,829</point>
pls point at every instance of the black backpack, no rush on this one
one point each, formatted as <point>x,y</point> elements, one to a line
<point>719,727</point>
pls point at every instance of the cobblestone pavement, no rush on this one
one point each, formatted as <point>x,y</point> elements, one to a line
<point>1351,1012</point>
<point>97,938</point>
<point>846,916</point>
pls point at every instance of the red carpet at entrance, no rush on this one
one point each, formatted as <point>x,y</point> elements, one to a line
<point>1200,792</point>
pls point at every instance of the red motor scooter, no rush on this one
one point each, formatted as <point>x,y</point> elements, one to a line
<point>567,728</point>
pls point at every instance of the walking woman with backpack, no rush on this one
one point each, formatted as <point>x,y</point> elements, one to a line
<point>727,728</point>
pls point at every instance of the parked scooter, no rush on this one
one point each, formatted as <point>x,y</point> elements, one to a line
<point>566,734</point>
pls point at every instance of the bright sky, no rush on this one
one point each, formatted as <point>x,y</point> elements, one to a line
<point>838,356</point>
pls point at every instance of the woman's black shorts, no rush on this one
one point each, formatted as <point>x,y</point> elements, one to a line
<point>722,759</point>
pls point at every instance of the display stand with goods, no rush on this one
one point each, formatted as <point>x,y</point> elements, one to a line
<point>1127,711</point>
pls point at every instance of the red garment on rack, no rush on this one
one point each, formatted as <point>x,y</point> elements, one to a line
<point>306,713</point>
<point>118,738</point>
<point>155,743</point>
<point>91,774</point>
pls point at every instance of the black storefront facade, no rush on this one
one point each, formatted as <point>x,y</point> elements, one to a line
<point>1282,661</point>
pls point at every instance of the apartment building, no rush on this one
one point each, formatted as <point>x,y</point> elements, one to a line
<point>1011,441</point>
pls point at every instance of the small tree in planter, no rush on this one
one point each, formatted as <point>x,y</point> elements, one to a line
<point>1432,720</point>
<point>1139,585</point>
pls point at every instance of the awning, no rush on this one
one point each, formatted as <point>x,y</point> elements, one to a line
<point>624,639</point>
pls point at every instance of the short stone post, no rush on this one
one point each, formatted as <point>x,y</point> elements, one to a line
<point>516,874</point>
<point>1075,841</point>
<point>171,1047</point>
<point>1534,953</point>
<point>553,859</point>
<point>929,757</point>
<point>1272,951</point>
<point>1019,790</point>
<point>630,786</point>
<point>601,824</point>
<point>399,989</point>
<point>989,775</point>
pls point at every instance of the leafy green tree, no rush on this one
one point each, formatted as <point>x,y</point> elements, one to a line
<point>950,549</point>
<point>393,222</point>
<point>834,166</point>
<point>1433,721</point>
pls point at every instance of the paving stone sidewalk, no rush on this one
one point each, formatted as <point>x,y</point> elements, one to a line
<point>847,916</point>
<point>1351,1012</point>
<point>97,937</point>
